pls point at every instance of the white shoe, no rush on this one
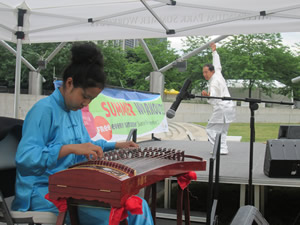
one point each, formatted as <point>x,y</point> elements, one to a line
<point>224,152</point>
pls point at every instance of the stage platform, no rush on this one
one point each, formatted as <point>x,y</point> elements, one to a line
<point>234,167</point>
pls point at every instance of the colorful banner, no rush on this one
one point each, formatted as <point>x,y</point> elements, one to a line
<point>114,112</point>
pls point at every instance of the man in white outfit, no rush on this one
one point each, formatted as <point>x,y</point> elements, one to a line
<point>223,111</point>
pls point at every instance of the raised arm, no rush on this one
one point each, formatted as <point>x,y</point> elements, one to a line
<point>216,57</point>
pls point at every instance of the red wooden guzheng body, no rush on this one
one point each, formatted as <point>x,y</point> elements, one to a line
<point>120,174</point>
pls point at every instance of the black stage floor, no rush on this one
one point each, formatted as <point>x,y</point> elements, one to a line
<point>234,167</point>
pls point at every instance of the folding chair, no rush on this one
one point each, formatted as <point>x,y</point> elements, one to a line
<point>10,135</point>
<point>248,215</point>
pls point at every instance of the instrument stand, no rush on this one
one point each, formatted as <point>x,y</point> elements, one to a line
<point>183,201</point>
<point>153,138</point>
<point>133,135</point>
<point>253,105</point>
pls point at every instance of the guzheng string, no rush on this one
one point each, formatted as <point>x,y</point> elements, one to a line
<point>129,160</point>
<point>137,157</point>
<point>147,154</point>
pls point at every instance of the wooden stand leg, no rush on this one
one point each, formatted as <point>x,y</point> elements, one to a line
<point>148,189</point>
<point>187,206</point>
<point>147,193</point>
<point>73,213</point>
<point>61,218</point>
<point>179,205</point>
<point>153,203</point>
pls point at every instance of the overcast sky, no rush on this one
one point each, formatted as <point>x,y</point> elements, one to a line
<point>288,39</point>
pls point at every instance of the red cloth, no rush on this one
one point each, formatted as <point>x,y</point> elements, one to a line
<point>185,179</point>
<point>61,204</point>
<point>133,205</point>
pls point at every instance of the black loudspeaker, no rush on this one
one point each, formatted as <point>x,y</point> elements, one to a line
<point>282,158</point>
<point>289,132</point>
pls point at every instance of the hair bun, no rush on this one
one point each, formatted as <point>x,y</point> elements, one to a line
<point>86,53</point>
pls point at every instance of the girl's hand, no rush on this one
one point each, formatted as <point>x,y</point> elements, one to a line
<point>90,150</point>
<point>127,144</point>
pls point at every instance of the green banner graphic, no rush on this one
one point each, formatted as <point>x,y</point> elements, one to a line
<point>112,118</point>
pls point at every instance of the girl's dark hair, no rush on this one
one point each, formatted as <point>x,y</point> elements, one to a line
<point>210,67</point>
<point>86,67</point>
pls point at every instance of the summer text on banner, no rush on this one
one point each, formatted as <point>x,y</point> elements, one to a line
<point>114,112</point>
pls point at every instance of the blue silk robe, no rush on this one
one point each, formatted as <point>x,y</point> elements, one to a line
<point>47,127</point>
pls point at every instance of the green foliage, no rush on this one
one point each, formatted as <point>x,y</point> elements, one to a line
<point>32,53</point>
<point>7,67</point>
<point>139,67</point>
<point>259,58</point>
<point>55,68</point>
<point>114,62</point>
<point>196,63</point>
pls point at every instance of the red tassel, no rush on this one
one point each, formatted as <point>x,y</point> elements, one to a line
<point>61,204</point>
<point>185,179</point>
<point>133,205</point>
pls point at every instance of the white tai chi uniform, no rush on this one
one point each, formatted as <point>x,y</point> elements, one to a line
<point>223,111</point>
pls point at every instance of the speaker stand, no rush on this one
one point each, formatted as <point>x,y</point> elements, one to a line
<point>253,106</point>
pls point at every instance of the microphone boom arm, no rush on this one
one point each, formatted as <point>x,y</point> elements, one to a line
<point>250,100</point>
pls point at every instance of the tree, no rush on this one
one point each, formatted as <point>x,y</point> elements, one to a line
<point>196,63</point>
<point>294,70</point>
<point>260,59</point>
<point>297,47</point>
<point>139,67</point>
<point>36,52</point>
<point>32,53</point>
<point>114,62</point>
<point>7,68</point>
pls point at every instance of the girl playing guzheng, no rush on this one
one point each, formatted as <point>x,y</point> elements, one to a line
<point>54,138</point>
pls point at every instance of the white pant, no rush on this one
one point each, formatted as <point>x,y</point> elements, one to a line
<point>212,129</point>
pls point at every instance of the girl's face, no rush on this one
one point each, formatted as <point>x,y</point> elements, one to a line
<point>77,98</point>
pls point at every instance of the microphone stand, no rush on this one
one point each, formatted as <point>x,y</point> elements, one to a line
<point>253,105</point>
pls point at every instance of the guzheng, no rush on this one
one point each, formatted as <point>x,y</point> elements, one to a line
<point>121,174</point>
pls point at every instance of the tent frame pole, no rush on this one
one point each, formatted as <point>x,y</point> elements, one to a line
<point>14,52</point>
<point>52,54</point>
<point>17,78</point>
<point>148,53</point>
<point>20,36</point>
<point>192,53</point>
<point>168,31</point>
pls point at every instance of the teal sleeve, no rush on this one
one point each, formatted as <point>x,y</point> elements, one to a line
<point>106,146</point>
<point>33,156</point>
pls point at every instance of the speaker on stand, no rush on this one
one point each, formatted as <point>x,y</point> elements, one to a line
<point>282,157</point>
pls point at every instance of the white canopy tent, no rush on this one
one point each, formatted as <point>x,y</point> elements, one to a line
<point>75,20</point>
<point>36,21</point>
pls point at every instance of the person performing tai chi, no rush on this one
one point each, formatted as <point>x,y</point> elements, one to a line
<point>223,111</point>
<point>54,138</point>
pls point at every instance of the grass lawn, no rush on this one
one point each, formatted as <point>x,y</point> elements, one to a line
<point>263,131</point>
